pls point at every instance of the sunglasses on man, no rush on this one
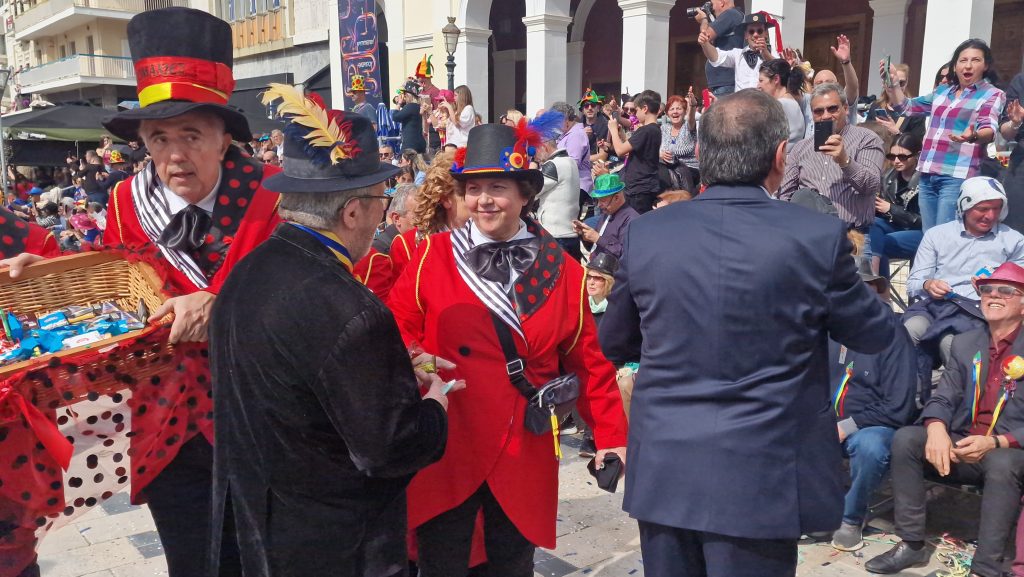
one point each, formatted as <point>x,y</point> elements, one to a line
<point>830,109</point>
<point>589,105</point>
<point>1003,291</point>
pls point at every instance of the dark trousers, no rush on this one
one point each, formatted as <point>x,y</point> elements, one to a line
<point>444,542</point>
<point>180,500</point>
<point>642,202</point>
<point>674,552</point>
<point>1000,471</point>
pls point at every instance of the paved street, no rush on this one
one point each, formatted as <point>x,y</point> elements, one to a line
<point>595,537</point>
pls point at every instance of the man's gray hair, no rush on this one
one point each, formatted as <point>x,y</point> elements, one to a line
<point>739,135</point>
<point>318,210</point>
<point>828,88</point>
<point>401,196</point>
<point>567,111</point>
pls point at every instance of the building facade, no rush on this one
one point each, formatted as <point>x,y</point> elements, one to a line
<point>511,53</point>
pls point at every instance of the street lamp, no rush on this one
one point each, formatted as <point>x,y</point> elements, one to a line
<point>451,42</point>
<point>5,75</point>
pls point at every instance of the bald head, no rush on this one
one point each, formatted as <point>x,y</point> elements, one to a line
<point>825,77</point>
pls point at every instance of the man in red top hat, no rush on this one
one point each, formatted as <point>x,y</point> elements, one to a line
<point>197,209</point>
<point>973,427</point>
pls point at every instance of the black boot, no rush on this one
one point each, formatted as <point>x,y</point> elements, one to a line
<point>900,557</point>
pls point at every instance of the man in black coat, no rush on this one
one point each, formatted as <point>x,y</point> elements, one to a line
<point>734,451</point>
<point>319,422</point>
<point>972,428</point>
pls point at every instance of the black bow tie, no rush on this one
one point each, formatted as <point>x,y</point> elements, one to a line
<point>187,229</point>
<point>751,57</point>
<point>492,260</point>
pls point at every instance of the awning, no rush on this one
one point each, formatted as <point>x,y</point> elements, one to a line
<point>67,123</point>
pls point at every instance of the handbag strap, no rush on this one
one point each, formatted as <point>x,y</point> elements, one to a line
<point>515,366</point>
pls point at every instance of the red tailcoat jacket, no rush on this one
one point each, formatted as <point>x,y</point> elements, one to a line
<point>375,272</point>
<point>487,441</point>
<point>173,411</point>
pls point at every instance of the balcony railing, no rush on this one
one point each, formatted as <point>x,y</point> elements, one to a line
<point>78,66</point>
<point>51,8</point>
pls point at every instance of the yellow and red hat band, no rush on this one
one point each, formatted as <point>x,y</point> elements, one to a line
<point>180,91</point>
<point>162,78</point>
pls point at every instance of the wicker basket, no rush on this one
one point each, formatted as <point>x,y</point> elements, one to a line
<point>85,279</point>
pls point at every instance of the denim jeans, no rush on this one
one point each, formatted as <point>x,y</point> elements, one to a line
<point>937,194</point>
<point>869,452</point>
<point>888,241</point>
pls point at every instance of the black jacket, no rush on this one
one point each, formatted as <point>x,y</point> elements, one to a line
<point>883,389</point>
<point>319,421</point>
<point>904,213</point>
<point>412,127</point>
<point>951,402</point>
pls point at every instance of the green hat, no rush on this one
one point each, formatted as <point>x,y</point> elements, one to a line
<point>607,185</point>
<point>590,96</point>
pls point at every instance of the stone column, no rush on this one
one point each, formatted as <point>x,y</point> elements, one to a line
<point>574,73</point>
<point>645,40</point>
<point>547,60</point>
<point>792,14</point>
<point>471,67</point>
<point>887,35</point>
<point>947,24</point>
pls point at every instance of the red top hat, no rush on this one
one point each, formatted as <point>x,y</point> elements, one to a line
<point>1007,272</point>
<point>175,77</point>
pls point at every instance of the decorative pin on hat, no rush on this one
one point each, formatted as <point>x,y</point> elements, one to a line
<point>174,77</point>
<point>411,87</point>
<point>590,97</point>
<point>425,69</point>
<point>324,150</point>
<point>357,83</point>
<point>499,151</point>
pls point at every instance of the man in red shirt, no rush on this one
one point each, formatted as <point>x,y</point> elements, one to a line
<point>973,425</point>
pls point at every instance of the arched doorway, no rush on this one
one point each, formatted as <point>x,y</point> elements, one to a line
<point>598,24</point>
<point>507,83</point>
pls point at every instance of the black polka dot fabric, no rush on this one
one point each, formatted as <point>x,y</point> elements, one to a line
<point>535,284</point>
<point>239,182</point>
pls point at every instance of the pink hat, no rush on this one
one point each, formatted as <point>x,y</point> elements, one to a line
<point>445,95</point>
<point>1007,272</point>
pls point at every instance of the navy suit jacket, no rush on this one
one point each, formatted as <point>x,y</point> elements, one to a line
<point>728,301</point>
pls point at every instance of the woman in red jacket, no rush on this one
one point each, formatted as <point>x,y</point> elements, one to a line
<point>500,267</point>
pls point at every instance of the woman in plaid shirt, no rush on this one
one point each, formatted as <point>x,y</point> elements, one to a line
<point>964,118</point>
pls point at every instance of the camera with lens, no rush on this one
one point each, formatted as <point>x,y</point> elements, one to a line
<point>705,8</point>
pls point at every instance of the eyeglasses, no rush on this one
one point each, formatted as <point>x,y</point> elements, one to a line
<point>628,109</point>
<point>902,157</point>
<point>1003,291</point>
<point>595,278</point>
<point>589,105</point>
<point>385,198</point>
<point>387,155</point>
<point>830,109</point>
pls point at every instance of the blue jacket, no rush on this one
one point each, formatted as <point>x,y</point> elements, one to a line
<point>729,301</point>
<point>882,391</point>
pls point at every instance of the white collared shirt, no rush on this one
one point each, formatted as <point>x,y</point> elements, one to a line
<point>746,77</point>
<point>176,204</point>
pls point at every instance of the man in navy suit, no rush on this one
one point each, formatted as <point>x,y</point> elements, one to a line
<point>734,450</point>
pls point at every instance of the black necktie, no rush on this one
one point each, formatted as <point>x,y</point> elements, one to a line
<point>492,260</point>
<point>187,229</point>
<point>751,58</point>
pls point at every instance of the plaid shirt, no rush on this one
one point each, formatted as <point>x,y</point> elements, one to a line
<point>978,105</point>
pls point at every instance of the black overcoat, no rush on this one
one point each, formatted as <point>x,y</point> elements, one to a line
<point>319,422</point>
